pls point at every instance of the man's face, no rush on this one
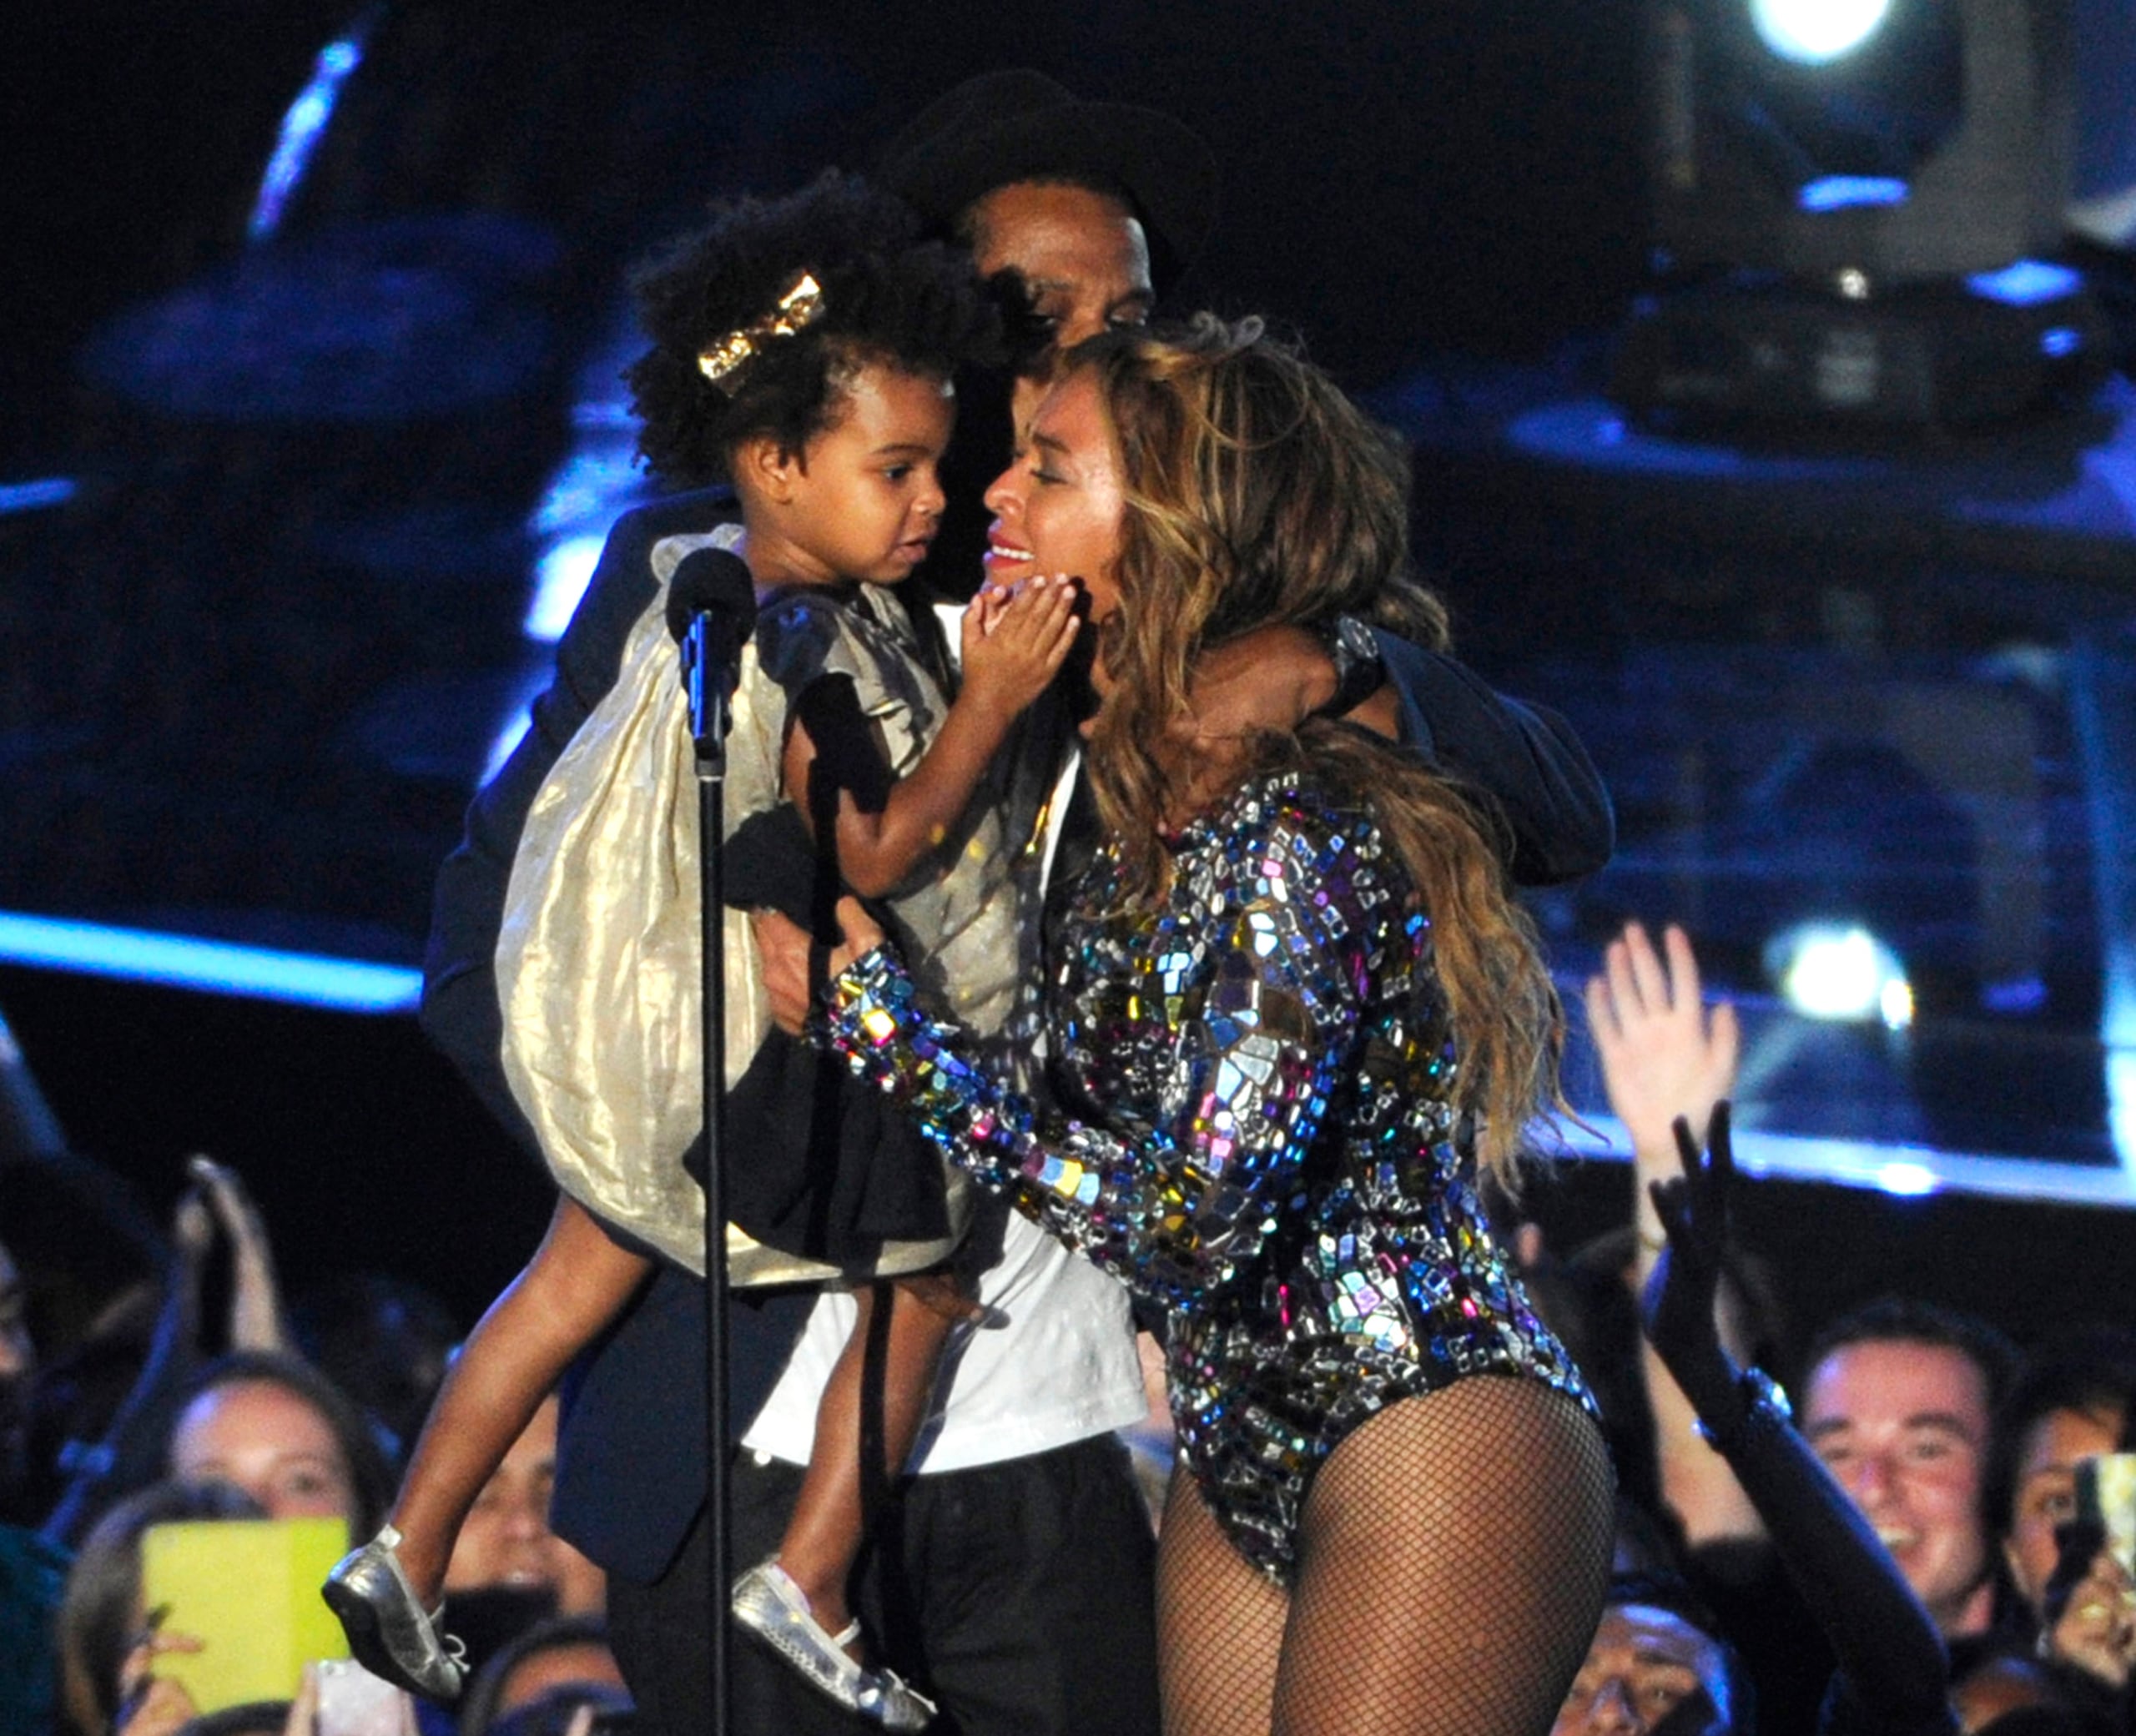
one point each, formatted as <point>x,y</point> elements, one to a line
<point>1903,1426</point>
<point>1081,261</point>
<point>1645,1663</point>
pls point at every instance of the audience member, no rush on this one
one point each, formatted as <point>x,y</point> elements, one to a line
<point>278,1430</point>
<point>32,1570</point>
<point>1658,1663</point>
<point>506,1539</point>
<point>107,1646</point>
<point>541,1679</point>
<point>2073,1400</point>
<point>133,1444</point>
<point>1899,1403</point>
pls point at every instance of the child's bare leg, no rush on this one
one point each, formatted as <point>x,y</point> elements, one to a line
<point>576,1283</point>
<point>823,1537</point>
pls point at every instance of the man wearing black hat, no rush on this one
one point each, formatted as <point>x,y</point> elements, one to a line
<point>1012,1581</point>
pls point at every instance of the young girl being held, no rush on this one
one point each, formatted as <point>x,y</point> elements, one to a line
<point>803,351</point>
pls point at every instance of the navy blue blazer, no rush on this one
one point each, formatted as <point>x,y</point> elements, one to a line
<point>631,1474</point>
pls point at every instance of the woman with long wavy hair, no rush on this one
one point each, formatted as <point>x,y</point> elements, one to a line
<point>1293,1013</point>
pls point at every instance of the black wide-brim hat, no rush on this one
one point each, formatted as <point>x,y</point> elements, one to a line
<point>1018,125</point>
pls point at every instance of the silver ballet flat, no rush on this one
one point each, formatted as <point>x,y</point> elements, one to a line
<point>389,1633</point>
<point>771,1606</point>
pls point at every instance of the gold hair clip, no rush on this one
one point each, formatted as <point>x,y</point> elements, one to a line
<point>799,308</point>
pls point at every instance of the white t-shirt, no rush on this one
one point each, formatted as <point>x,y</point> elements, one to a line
<point>1061,1368</point>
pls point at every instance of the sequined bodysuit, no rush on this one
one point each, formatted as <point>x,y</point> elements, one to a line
<point>1265,1146</point>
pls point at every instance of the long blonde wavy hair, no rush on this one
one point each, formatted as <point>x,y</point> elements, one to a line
<point>1256,494</point>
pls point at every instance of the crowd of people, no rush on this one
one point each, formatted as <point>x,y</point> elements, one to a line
<point>1147,967</point>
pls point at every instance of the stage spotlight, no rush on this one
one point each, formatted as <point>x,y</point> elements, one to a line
<point>1816,31</point>
<point>1838,186</point>
<point>1835,971</point>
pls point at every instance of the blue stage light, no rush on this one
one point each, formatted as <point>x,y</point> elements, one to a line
<point>2025,282</point>
<point>30,496</point>
<point>1841,193</point>
<point>561,577</point>
<point>304,124</point>
<point>219,966</point>
<point>1814,33</point>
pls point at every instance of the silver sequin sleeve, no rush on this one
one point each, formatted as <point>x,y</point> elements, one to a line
<point>1246,1027</point>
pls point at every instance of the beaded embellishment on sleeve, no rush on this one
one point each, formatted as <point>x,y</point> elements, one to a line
<point>1250,1025</point>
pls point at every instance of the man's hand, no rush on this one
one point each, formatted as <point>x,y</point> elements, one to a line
<point>784,948</point>
<point>783,951</point>
<point>863,935</point>
<point>1274,677</point>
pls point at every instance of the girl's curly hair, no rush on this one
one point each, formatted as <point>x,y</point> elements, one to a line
<point>888,296</point>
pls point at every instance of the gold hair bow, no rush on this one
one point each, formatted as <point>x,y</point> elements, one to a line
<point>799,308</point>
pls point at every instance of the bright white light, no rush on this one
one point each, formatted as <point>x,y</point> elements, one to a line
<point>1828,972</point>
<point>508,739</point>
<point>1899,1177</point>
<point>1813,32</point>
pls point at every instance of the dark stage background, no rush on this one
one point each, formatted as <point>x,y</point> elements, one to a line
<point>256,657</point>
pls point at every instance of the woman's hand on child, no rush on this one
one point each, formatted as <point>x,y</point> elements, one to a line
<point>863,935</point>
<point>1016,637</point>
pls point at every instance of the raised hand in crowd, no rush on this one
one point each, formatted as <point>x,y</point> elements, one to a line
<point>257,1319</point>
<point>1666,1056</point>
<point>1664,1052</point>
<point>1677,1303</point>
<point>133,1446</point>
<point>1893,1672</point>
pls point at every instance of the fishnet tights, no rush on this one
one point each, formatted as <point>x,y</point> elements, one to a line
<point>1452,1562</point>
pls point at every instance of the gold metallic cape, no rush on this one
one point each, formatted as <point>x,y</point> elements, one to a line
<point>596,960</point>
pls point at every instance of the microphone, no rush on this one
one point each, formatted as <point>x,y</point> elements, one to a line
<point>712,611</point>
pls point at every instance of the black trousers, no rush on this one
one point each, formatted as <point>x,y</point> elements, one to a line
<point>1017,1596</point>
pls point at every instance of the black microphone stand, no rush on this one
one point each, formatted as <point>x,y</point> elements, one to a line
<point>709,721</point>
